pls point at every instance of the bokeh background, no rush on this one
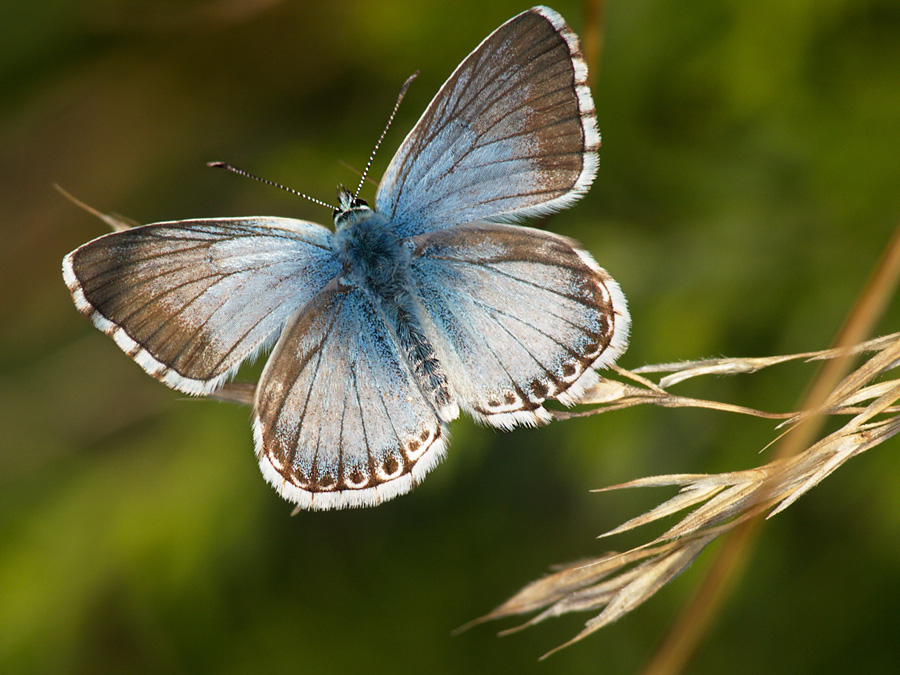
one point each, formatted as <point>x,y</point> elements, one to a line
<point>748,183</point>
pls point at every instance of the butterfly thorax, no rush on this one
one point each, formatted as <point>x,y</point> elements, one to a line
<point>370,252</point>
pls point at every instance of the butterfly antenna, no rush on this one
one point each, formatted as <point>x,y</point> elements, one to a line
<point>247,174</point>
<point>384,133</point>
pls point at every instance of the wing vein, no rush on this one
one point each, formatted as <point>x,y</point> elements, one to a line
<point>312,382</point>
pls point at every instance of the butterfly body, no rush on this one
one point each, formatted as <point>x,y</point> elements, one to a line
<point>429,304</point>
<point>376,262</point>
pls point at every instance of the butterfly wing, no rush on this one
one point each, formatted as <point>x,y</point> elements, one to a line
<point>516,316</point>
<point>190,300</point>
<point>512,133</point>
<point>340,419</point>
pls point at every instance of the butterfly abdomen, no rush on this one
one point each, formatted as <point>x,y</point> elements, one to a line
<point>421,355</point>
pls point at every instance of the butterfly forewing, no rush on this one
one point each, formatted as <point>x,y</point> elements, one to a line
<point>516,316</point>
<point>340,418</point>
<point>512,133</point>
<point>190,300</point>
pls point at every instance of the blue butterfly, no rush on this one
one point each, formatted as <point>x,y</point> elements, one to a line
<point>432,302</point>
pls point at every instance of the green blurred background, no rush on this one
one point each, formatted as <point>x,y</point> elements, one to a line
<point>748,183</point>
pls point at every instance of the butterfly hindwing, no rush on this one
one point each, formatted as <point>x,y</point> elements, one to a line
<point>516,316</point>
<point>512,133</point>
<point>340,418</point>
<point>190,300</point>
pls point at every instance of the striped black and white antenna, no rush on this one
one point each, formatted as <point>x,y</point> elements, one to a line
<point>266,181</point>
<point>384,133</point>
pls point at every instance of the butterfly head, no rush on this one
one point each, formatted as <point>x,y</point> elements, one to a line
<point>350,209</point>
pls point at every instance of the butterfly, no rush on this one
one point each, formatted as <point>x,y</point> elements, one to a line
<point>384,329</point>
